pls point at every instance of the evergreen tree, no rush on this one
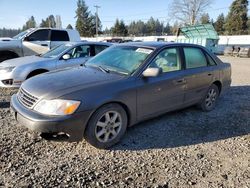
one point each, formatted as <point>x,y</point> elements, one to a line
<point>236,22</point>
<point>205,19</point>
<point>49,22</point>
<point>69,27</point>
<point>93,25</point>
<point>167,29</point>
<point>219,24</point>
<point>119,28</point>
<point>31,23</point>
<point>84,20</point>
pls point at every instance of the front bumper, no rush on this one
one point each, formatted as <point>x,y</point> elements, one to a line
<point>72,125</point>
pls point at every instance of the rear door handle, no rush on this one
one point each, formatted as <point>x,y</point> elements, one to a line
<point>210,74</point>
<point>44,44</point>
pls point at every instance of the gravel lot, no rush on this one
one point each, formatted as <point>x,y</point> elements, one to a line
<point>188,148</point>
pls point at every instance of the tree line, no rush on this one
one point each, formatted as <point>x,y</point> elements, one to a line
<point>237,22</point>
<point>184,12</point>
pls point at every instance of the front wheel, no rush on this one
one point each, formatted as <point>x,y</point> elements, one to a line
<point>106,126</point>
<point>209,101</point>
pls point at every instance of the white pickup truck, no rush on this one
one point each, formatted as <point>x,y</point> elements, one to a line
<point>35,41</point>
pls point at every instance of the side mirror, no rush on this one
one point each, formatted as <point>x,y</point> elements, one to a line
<point>66,57</point>
<point>152,72</point>
<point>26,38</point>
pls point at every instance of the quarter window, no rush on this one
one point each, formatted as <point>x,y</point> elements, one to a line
<point>194,58</point>
<point>211,62</point>
<point>168,60</point>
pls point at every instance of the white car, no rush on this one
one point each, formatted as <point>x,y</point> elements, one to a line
<point>14,71</point>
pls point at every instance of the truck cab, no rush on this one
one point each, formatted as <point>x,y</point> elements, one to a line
<point>35,41</point>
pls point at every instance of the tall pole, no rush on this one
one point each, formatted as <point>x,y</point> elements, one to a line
<point>96,19</point>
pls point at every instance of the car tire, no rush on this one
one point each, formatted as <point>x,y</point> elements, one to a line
<point>106,126</point>
<point>209,101</point>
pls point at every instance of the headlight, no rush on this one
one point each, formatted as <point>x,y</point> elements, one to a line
<point>6,69</point>
<point>57,107</point>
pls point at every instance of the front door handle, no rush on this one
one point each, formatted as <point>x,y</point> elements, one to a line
<point>180,81</point>
<point>44,44</point>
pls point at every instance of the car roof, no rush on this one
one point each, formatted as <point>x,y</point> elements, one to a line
<point>157,45</point>
<point>88,42</point>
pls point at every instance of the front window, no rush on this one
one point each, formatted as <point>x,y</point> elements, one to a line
<point>55,52</point>
<point>39,35</point>
<point>122,59</point>
<point>168,60</point>
<point>79,52</point>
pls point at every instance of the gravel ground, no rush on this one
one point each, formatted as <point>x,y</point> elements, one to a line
<point>188,148</point>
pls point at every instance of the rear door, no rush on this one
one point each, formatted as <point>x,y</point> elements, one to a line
<point>36,43</point>
<point>78,56</point>
<point>165,92</point>
<point>199,74</point>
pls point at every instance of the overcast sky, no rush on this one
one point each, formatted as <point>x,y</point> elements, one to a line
<point>14,13</point>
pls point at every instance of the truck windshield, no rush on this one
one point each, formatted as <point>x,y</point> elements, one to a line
<point>55,52</point>
<point>21,35</point>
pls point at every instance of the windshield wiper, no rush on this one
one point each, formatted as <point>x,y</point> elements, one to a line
<point>103,69</point>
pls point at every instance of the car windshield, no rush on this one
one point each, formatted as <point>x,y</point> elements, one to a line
<point>121,59</point>
<point>21,35</point>
<point>55,52</point>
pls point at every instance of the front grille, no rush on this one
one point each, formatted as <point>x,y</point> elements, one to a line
<point>26,98</point>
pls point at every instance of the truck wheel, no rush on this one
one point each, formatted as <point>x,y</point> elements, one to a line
<point>5,55</point>
<point>106,126</point>
<point>209,101</point>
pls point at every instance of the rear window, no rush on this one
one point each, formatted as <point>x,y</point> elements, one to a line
<point>59,36</point>
<point>99,48</point>
<point>194,58</point>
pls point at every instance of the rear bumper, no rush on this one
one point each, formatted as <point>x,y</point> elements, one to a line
<point>72,125</point>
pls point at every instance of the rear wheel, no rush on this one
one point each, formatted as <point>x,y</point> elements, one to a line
<point>106,126</point>
<point>209,101</point>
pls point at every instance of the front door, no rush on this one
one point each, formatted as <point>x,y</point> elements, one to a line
<point>36,43</point>
<point>165,92</point>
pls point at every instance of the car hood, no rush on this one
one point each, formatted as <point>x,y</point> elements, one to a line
<point>6,39</point>
<point>23,60</point>
<point>61,82</point>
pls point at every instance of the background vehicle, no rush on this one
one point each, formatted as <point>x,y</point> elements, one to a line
<point>244,52</point>
<point>14,71</point>
<point>35,41</point>
<point>120,87</point>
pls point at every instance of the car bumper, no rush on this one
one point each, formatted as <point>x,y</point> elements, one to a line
<point>72,125</point>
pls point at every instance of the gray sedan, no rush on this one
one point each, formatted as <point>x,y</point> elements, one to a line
<point>13,72</point>
<point>118,88</point>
